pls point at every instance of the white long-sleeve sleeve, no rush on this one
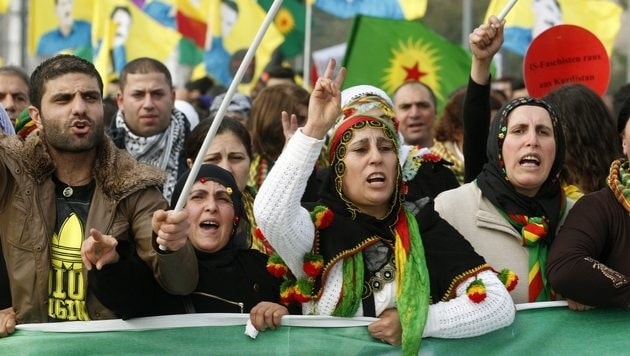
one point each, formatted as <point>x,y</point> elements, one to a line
<point>461,317</point>
<point>290,230</point>
<point>283,221</point>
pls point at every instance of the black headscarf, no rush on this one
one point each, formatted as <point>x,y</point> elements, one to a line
<point>217,174</point>
<point>550,200</point>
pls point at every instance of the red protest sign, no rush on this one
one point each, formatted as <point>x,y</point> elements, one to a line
<point>565,54</point>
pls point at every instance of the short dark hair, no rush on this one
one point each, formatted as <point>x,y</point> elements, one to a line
<point>199,133</point>
<point>120,8</point>
<point>15,71</point>
<point>203,85</point>
<point>231,4</point>
<point>144,65</point>
<point>281,72</point>
<point>417,82</point>
<point>57,66</point>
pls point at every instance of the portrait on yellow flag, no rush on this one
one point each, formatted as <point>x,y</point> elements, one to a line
<point>68,31</point>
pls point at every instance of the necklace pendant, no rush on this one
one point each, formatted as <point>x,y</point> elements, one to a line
<point>67,192</point>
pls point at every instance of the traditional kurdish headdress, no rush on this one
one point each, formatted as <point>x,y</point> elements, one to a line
<point>352,94</point>
<point>372,101</point>
<point>535,218</point>
<point>365,100</point>
<point>362,106</point>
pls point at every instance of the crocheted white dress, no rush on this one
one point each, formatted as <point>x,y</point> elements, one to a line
<point>290,230</point>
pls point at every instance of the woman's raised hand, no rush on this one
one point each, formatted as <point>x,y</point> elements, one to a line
<point>325,103</point>
<point>486,40</point>
<point>289,125</point>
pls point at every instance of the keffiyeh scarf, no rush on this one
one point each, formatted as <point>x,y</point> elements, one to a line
<point>161,150</point>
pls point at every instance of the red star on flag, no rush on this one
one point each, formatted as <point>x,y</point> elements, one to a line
<point>414,73</point>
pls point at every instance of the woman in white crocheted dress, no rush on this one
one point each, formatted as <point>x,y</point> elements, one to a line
<point>358,251</point>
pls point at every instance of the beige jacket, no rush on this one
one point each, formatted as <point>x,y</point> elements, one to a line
<point>124,199</point>
<point>488,232</point>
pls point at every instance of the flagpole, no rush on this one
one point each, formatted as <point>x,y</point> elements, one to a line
<point>306,76</point>
<point>273,10</point>
<point>500,59</point>
<point>506,9</point>
<point>466,21</point>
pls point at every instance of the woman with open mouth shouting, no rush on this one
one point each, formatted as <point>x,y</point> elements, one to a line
<point>358,251</point>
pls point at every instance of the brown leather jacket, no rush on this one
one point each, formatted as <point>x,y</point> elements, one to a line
<point>126,195</point>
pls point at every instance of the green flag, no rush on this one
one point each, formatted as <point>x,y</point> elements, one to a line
<point>290,21</point>
<point>386,53</point>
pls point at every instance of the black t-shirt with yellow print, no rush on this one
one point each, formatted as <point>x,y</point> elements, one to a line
<point>66,283</point>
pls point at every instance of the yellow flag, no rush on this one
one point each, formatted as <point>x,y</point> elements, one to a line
<point>61,26</point>
<point>233,28</point>
<point>4,6</point>
<point>413,9</point>
<point>601,17</point>
<point>102,59</point>
<point>122,32</point>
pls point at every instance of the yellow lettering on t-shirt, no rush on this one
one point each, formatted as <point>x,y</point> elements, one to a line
<point>66,282</point>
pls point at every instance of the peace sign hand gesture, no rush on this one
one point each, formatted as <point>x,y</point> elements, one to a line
<point>325,103</point>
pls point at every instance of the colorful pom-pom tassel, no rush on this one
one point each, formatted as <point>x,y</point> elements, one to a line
<point>508,278</point>
<point>476,291</point>
<point>431,157</point>
<point>313,264</point>
<point>287,292</point>
<point>276,266</point>
<point>303,289</point>
<point>322,217</point>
